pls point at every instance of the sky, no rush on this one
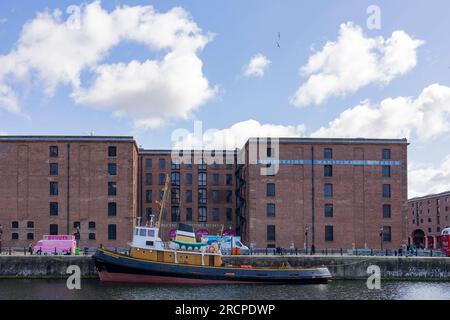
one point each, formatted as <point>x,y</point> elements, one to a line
<point>158,70</point>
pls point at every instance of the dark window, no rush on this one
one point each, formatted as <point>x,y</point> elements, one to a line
<point>91,224</point>
<point>53,229</point>
<point>202,179</point>
<point>270,189</point>
<point>175,164</point>
<point>270,233</point>
<point>175,214</point>
<point>112,209</point>
<point>229,214</point>
<point>269,152</point>
<point>328,190</point>
<point>202,215</point>
<point>112,169</point>
<point>162,163</point>
<point>216,214</point>
<point>112,151</point>
<point>53,169</point>
<point>53,151</point>
<point>387,234</point>
<point>189,178</point>
<point>386,154</point>
<point>189,196</point>
<point>328,153</point>
<point>148,163</point>
<point>175,196</point>
<point>386,210</point>
<point>175,178</point>
<point>53,188</point>
<point>112,232</point>
<point>112,188</point>
<point>328,210</point>
<point>328,233</point>
<point>328,170</point>
<point>76,225</point>
<point>386,171</point>
<point>148,196</point>
<point>229,196</point>
<point>229,166</point>
<point>15,224</point>
<point>53,208</point>
<point>216,178</point>
<point>15,236</point>
<point>148,178</point>
<point>30,224</point>
<point>229,178</point>
<point>270,209</point>
<point>202,197</point>
<point>30,236</point>
<point>202,165</point>
<point>91,236</point>
<point>189,214</point>
<point>149,213</point>
<point>161,179</point>
<point>386,190</point>
<point>215,196</point>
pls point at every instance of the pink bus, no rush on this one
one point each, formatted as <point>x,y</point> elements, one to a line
<point>61,244</point>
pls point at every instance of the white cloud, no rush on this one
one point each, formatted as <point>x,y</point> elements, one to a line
<point>257,66</point>
<point>236,135</point>
<point>8,100</point>
<point>426,117</point>
<point>424,179</point>
<point>52,53</point>
<point>355,61</point>
<point>3,20</point>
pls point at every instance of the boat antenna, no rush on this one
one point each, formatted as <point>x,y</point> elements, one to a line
<point>163,200</point>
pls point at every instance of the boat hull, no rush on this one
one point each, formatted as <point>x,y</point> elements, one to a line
<point>115,267</point>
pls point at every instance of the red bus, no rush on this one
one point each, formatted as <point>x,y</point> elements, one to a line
<point>445,240</point>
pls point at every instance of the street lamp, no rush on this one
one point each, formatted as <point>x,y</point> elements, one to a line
<point>306,238</point>
<point>381,238</point>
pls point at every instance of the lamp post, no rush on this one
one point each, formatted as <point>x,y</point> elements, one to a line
<point>306,238</point>
<point>381,238</point>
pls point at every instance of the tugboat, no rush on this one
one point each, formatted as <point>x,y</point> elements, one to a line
<point>186,261</point>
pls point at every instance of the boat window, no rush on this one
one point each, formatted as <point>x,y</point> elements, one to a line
<point>137,231</point>
<point>142,232</point>
<point>238,244</point>
<point>151,233</point>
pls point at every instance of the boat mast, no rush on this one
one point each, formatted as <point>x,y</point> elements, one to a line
<point>163,200</point>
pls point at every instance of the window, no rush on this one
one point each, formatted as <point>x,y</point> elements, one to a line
<point>386,154</point>
<point>328,210</point>
<point>328,190</point>
<point>112,209</point>
<point>202,214</point>
<point>91,225</point>
<point>112,232</point>
<point>53,208</point>
<point>386,211</point>
<point>202,165</point>
<point>328,170</point>
<point>148,196</point>
<point>15,224</point>
<point>229,214</point>
<point>270,210</point>
<point>148,178</point>
<point>112,169</point>
<point>270,189</point>
<point>386,171</point>
<point>14,236</point>
<point>189,178</point>
<point>53,169</point>
<point>53,229</point>
<point>162,163</point>
<point>189,214</point>
<point>76,225</point>
<point>216,178</point>
<point>53,188</point>
<point>269,152</point>
<point>229,196</point>
<point>161,195</point>
<point>202,197</point>
<point>91,236</point>
<point>30,236</point>
<point>175,164</point>
<point>229,179</point>
<point>148,213</point>
<point>175,178</point>
<point>53,151</point>
<point>175,196</point>
<point>229,166</point>
<point>387,234</point>
<point>148,163</point>
<point>270,233</point>
<point>386,190</point>
<point>112,151</point>
<point>175,214</point>
<point>328,153</point>
<point>215,196</point>
<point>161,179</point>
<point>216,214</point>
<point>30,224</point>
<point>189,196</point>
<point>202,179</point>
<point>112,188</point>
<point>328,233</point>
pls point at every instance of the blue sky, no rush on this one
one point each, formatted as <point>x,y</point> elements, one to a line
<point>242,29</point>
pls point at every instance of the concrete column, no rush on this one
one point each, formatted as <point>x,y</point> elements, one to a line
<point>434,242</point>
<point>426,242</point>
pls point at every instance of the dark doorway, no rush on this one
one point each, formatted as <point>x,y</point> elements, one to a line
<point>418,237</point>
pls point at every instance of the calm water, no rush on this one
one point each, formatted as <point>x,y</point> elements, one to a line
<point>94,289</point>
